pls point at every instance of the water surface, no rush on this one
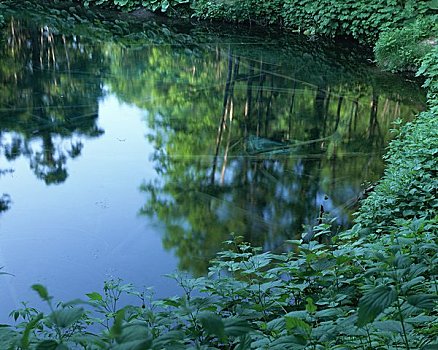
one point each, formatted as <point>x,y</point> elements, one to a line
<point>135,153</point>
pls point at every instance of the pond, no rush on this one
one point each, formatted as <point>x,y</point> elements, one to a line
<point>135,150</point>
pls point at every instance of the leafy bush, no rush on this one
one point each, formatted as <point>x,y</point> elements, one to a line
<point>259,11</point>
<point>404,48</point>
<point>410,184</point>
<point>153,5</point>
<point>363,20</point>
<point>353,293</point>
<point>429,69</point>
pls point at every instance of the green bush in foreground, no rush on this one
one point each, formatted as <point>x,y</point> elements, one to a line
<point>355,293</point>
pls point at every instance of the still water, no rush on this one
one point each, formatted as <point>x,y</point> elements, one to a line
<point>135,152</point>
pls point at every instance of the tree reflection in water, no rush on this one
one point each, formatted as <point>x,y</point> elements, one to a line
<point>46,107</point>
<point>254,144</point>
<point>250,139</point>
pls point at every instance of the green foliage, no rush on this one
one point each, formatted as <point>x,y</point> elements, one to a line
<point>429,70</point>
<point>153,5</point>
<point>258,11</point>
<point>363,20</point>
<point>409,187</point>
<point>353,292</point>
<point>404,48</point>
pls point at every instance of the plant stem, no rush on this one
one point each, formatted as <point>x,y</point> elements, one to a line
<point>402,324</point>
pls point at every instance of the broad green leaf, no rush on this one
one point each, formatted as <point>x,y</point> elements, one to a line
<point>172,302</point>
<point>302,314</point>
<point>133,345</point>
<point>402,261</point>
<point>244,342</point>
<point>433,346</point>
<point>47,345</point>
<point>391,326</point>
<point>310,306</point>
<point>328,313</point>
<point>288,342</point>
<point>62,347</point>
<point>169,338</point>
<point>66,317</point>
<point>433,4</point>
<point>420,319</point>
<point>277,324</point>
<point>116,329</point>
<point>374,302</point>
<point>236,327</point>
<point>293,322</point>
<point>324,332</point>
<point>423,301</point>
<point>405,287</point>
<point>42,292</point>
<point>94,296</point>
<point>212,324</point>
<point>137,335</point>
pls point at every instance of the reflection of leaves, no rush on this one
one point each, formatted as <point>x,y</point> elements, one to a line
<point>208,189</point>
<point>52,107</point>
<point>5,199</point>
<point>203,195</point>
<point>5,202</point>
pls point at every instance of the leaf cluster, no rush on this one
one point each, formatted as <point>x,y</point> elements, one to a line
<point>362,20</point>
<point>404,48</point>
<point>409,186</point>
<point>252,11</point>
<point>128,5</point>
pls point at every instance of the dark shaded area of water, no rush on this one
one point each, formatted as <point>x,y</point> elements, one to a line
<point>132,151</point>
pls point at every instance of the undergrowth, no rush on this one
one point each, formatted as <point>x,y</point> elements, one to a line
<point>404,48</point>
<point>354,293</point>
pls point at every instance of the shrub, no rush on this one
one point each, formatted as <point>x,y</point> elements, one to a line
<point>404,48</point>
<point>153,5</point>
<point>356,293</point>
<point>429,69</point>
<point>409,187</point>
<point>362,20</point>
<point>258,11</point>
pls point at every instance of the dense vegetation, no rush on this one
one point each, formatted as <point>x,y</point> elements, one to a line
<point>374,286</point>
